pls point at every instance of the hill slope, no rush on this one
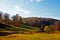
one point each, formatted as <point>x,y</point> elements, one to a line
<point>5,29</point>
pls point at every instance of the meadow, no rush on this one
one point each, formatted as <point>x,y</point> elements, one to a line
<point>26,33</point>
<point>35,36</point>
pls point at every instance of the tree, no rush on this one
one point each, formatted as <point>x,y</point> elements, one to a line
<point>6,18</point>
<point>47,29</point>
<point>0,15</point>
<point>20,19</point>
<point>56,26</point>
<point>17,20</point>
<point>30,21</point>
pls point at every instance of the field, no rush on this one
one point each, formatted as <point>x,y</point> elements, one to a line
<point>36,36</point>
<point>25,32</point>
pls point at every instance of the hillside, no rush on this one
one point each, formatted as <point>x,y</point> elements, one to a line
<point>31,30</point>
<point>31,25</point>
<point>6,29</point>
<point>42,22</point>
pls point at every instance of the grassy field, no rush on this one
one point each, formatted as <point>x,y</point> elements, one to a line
<point>36,36</point>
<point>25,32</point>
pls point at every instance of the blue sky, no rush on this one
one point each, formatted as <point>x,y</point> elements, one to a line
<point>32,8</point>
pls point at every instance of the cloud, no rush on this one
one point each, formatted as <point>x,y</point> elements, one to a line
<point>31,0</point>
<point>25,11</point>
<point>17,6</point>
<point>27,2</point>
<point>35,0</point>
<point>52,17</point>
<point>18,9</point>
<point>55,17</point>
<point>39,1</point>
<point>3,10</point>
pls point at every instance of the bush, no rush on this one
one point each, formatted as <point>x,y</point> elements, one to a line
<point>47,29</point>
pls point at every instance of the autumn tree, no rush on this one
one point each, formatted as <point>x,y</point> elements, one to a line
<point>30,21</point>
<point>56,26</point>
<point>16,20</point>
<point>6,18</point>
<point>47,29</point>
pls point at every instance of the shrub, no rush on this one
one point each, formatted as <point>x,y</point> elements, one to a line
<point>47,29</point>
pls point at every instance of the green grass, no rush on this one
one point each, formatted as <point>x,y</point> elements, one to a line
<point>21,28</point>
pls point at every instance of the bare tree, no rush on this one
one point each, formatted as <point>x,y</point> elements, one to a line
<point>0,15</point>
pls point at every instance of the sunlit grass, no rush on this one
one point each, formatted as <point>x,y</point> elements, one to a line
<point>37,36</point>
<point>28,33</point>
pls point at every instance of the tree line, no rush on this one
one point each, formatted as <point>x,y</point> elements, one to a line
<point>46,24</point>
<point>14,20</point>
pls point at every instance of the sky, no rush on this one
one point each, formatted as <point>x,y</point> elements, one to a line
<point>32,8</point>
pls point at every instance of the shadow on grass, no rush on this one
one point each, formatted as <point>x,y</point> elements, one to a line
<point>4,33</point>
<point>7,33</point>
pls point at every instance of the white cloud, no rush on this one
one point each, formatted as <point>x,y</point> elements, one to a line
<point>55,17</point>
<point>39,1</point>
<point>35,0</point>
<point>3,10</point>
<point>25,11</point>
<point>27,2</point>
<point>31,0</point>
<point>52,17</point>
<point>17,6</point>
<point>18,9</point>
